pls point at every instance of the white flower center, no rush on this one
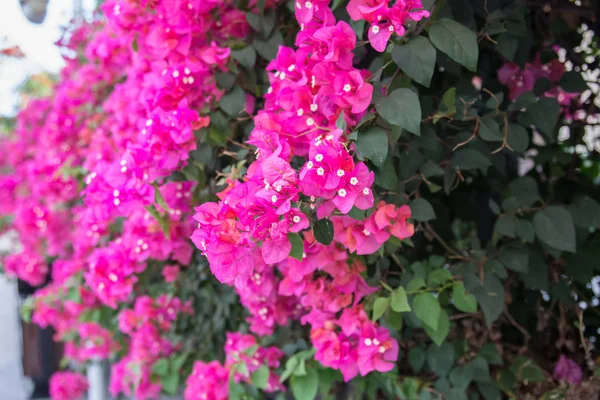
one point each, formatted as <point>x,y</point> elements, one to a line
<point>309,164</point>
<point>319,157</point>
<point>340,172</point>
<point>366,191</point>
<point>320,171</point>
<point>366,232</point>
<point>274,199</point>
<point>353,181</point>
<point>375,29</point>
<point>310,122</point>
<point>296,219</point>
<point>368,342</point>
<point>342,193</point>
<point>300,112</point>
<point>347,87</point>
<point>314,107</point>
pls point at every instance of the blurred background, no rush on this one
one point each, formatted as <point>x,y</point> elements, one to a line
<point>29,60</point>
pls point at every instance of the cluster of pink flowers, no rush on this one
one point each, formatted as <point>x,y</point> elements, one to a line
<point>146,324</point>
<point>384,20</point>
<point>210,380</point>
<point>246,235</point>
<point>68,386</point>
<point>519,81</point>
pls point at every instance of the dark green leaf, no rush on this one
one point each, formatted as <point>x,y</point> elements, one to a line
<point>373,144</point>
<point>525,191</point>
<point>443,328</point>
<point>524,101</point>
<point>489,130</point>
<point>268,49</point>
<point>467,159</point>
<point>416,359</point>
<point>490,353</point>
<point>386,176</point>
<point>507,45</point>
<point>457,41</point>
<point>431,169</point>
<point>543,115</point>
<point>416,59</point>
<point>297,251</point>
<point>441,358</point>
<point>427,308</point>
<point>245,56</point>
<point>526,369</point>
<point>518,138</point>
<point>438,278</point>
<point>461,376</point>
<point>515,258</point>
<point>490,295</point>
<point>489,391</point>
<point>421,210</point>
<point>233,102</point>
<point>585,212</point>
<point>401,108</point>
<point>323,231</point>
<point>573,82</point>
<point>554,226</point>
<point>525,231</point>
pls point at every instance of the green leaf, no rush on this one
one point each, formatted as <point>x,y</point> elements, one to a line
<point>507,45</point>
<point>506,226</point>
<point>416,359</point>
<point>441,358</point>
<point>415,284</point>
<point>515,258</point>
<point>179,360</point>
<point>490,296</point>
<point>573,82</point>
<point>401,108</point>
<point>380,306</point>
<point>554,226</point>
<point>489,390</point>
<point>462,300</point>
<point>467,159</point>
<point>233,102</point>
<point>525,191</point>
<point>524,101</point>
<point>340,122</point>
<point>526,369</point>
<point>427,309</point>
<point>399,300</point>
<point>386,176</point>
<point>323,231</point>
<point>373,144</point>
<point>491,355</point>
<point>246,56</point>
<point>268,49</point>
<point>416,59</point>
<point>161,367</point>
<point>518,138</point>
<point>457,41</point>
<point>170,383</point>
<point>260,377</point>
<point>431,169</point>
<point>489,130</point>
<point>461,376</point>
<point>543,115</point>
<point>297,246</point>
<point>421,210</point>
<point>585,212</point>
<point>438,278</point>
<point>443,328</point>
<point>305,387</point>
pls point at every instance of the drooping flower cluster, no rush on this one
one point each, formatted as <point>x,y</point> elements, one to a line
<point>68,386</point>
<point>247,235</point>
<point>243,358</point>
<point>146,324</point>
<point>384,20</point>
<point>519,81</point>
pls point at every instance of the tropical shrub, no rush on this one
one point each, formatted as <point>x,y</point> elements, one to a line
<point>243,199</point>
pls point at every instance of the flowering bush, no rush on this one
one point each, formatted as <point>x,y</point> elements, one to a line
<point>225,198</point>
